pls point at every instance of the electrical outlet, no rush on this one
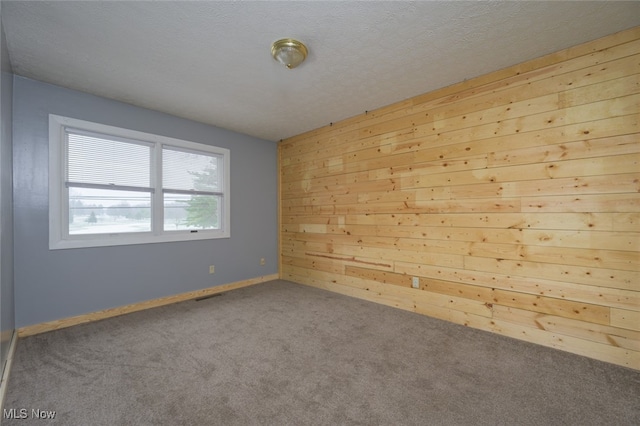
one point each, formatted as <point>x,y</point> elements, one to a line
<point>263,261</point>
<point>415,282</point>
<point>212,269</point>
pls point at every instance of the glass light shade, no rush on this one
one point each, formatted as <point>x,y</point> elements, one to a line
<point>289,52</point>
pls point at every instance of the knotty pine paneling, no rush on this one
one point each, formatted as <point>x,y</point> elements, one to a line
<point>514,197</point>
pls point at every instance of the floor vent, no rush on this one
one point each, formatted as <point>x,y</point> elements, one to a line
<point>208,297</point>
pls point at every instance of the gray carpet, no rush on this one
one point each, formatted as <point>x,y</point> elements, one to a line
<point>283,354</point>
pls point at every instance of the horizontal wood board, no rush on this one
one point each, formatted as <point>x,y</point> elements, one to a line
<point>513,197</point>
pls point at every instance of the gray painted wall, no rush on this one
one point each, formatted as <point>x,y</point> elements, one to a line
<point>57,284</point>
<point>7,316</point>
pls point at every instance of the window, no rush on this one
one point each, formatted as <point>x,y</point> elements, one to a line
<point>112,186</point>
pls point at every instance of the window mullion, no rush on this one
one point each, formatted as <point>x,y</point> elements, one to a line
<point>157,212</point>
<point>63,178</point>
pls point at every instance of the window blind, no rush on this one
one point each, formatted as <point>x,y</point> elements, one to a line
<point>191,171</point>
<point>97,160</point>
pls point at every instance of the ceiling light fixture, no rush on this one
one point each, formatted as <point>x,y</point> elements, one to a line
<point>289,52</point>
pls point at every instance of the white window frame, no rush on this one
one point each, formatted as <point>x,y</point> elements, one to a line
<point>59,237</point>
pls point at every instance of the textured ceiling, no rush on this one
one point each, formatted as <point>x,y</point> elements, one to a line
<point>210,61</point>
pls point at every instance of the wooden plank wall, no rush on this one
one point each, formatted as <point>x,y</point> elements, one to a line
<point>514,197</point>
